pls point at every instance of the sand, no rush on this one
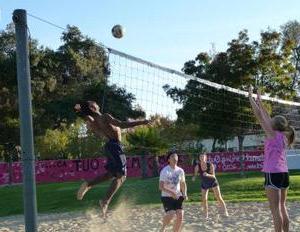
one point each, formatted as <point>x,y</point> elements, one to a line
<point>243,217</point>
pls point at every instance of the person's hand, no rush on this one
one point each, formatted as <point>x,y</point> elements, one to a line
<point>77,108</point>
<point>193,178</point>
<point>185,197</point>
<point>174,196</point>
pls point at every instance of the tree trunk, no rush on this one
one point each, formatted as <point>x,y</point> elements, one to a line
<point>214,145</point>
<point>10,169</point>
<point>144,166</point>
<point>241,149</point>
<point>155,167</point>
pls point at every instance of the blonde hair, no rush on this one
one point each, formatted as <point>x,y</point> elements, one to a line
<point>280,123</point>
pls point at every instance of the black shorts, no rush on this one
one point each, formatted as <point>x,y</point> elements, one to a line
<point>278,180</point>
<point>170,204</point>
<point>208,185</point>
<point>116,162</point>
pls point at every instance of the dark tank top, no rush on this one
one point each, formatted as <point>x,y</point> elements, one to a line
<point>207,182</point>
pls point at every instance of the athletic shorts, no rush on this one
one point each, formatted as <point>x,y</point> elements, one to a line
<point>278,180</point>
<point>170,204</point>
<point>208,185</point>
<point>116,162</point>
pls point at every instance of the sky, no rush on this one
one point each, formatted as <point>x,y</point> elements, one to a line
<point>166,32</point>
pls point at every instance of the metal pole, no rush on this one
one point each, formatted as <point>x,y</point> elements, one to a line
<point>25,111</point>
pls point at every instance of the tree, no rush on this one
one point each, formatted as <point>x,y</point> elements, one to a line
<point>144,141</point>
<point>221,114</point>
<point>71,142</point>
<point>78,64</point>
<point>77,71</point>
<point>274,67</point>
<point>291,36</point>
<point>9,123</point>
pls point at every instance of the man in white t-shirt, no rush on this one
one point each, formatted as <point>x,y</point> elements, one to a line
<point>173,192</point>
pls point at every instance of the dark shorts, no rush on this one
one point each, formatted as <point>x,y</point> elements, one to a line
<point>170,204</point>
<point>278,180</point>
<point>116,161</point>
<point>209,185</point>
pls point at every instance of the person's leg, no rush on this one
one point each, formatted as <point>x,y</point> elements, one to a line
<point>114,186</point>
<point>204,196</point>
<point>87,185</point>
<point>117,167</point>
<point>284,213</point>
<point>179,220</point>
<point>274,198</point>
<point>167,219</point>
<point>99,179</point>
<point>220,200</point>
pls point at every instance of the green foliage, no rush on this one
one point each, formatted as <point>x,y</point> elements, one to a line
<point>60,78</point>
<point>218,113</point>
<point>145,140</point>
<point>291,37</point>
<point>70,142</point>
<point>116,101</point>
<point>53,144</point>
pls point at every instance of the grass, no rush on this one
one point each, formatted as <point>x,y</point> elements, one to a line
<point>60,197</point>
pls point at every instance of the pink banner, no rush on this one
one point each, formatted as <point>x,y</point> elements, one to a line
<point>74,170</point>
<point>4,173</point>
<point>230,161</point>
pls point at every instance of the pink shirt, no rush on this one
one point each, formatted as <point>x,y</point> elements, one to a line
<point>275,156</point>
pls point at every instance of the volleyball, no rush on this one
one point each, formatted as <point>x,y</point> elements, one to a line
<point>117,31</point>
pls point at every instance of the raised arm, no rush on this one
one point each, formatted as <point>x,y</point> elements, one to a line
<point>125,124</point>
<point>262,108</point>
<point>261,115</point>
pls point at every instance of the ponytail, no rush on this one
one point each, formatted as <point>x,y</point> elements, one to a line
<point>291,135</point>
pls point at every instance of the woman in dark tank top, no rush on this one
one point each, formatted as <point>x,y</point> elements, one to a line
<point>208,181</point>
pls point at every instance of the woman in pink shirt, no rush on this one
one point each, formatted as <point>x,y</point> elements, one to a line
<point>279,135</point>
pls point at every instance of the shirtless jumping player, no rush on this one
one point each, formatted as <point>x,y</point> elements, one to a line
<point>104,125</point>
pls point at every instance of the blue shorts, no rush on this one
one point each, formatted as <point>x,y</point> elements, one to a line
<point>116,161</point>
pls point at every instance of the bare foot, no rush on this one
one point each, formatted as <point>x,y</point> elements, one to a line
<point>226,213</point>
<point>103,208</point>
<point>206,217</point>
<point>82,190</point>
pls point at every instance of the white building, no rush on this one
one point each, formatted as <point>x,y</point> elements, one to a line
<point>251,142</point>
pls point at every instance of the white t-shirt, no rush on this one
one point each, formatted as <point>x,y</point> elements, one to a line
<point>172,178</point>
